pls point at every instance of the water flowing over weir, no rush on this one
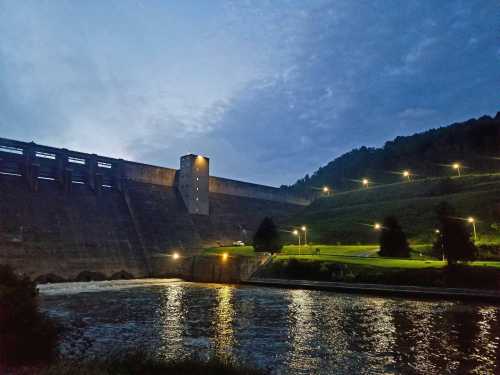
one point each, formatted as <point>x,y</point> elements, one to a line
<point>289,331</point>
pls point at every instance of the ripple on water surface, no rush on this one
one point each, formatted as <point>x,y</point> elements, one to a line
<point>289,331</point>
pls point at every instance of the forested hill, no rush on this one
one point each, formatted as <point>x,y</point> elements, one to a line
<point>475,144</point>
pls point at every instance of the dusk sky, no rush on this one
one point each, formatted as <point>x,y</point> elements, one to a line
<point>269,90</point>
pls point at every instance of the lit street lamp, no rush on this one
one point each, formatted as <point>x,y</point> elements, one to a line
<point>377,226</point>
<point>304,229</point>
<point>365,182</point>
<point>225,256</point>
<point>296,233</point>
<point>175,256</point>
<point>326,190</point>
<point>457,166</point>
<point>438,232</point>
<point>407,174</point>
<point>471,220</point>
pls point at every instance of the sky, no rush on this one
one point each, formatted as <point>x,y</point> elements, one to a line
<point>268,89</point>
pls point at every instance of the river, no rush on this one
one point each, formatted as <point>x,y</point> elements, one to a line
<point>287,331</point>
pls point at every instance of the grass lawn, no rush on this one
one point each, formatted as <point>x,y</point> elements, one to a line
<point>364,255</point>
<point>351,250</point>
<point>370,261</point>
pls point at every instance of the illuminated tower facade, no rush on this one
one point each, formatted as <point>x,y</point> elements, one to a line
<point>193,183</point>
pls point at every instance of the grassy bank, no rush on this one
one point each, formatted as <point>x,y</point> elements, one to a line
<point>480,275</point>
<point>352,250</point>
<point>364,255</point>
<point>345,217</point>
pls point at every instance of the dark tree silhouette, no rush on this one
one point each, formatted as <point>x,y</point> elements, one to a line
<point>393,242</point>
<point>267,237</point>
<point>26,335</point>
<point>454,239</point>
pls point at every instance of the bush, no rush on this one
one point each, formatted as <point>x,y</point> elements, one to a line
<point>26,335</point>
<point>267,237</point>
<point>393,242</point>
<point>454,237</point>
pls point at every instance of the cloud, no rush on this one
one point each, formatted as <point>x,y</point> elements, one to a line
<point>269,90</point>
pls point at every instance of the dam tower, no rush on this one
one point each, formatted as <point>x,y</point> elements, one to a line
<point>193,183</point>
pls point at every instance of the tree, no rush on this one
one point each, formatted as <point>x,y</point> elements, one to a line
<point>267,237</point>
<point>393,242</point>
<point>26,335</point>
<point>454,239</point>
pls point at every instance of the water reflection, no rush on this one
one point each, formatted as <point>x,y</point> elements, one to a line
<point>302,332</point>
<point>224,335</point>
<point>171,318</point>
<point>289,331</point>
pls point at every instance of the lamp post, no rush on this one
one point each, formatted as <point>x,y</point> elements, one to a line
<point>304,229</point>
<point>326,190</point>
<point>377,226</point>
<point>407,174</point>
<point>296,233</point>
<point>471,220</point>
<point>365,182</point>
<point>457,166</point>
<point>438,233</point>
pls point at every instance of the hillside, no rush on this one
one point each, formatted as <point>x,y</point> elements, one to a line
<point>474,143</point>
<point>347,217</point>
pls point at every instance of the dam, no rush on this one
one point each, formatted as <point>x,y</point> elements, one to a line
<point>65,212</point>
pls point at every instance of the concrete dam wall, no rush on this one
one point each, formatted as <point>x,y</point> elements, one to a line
<point>64,212</point>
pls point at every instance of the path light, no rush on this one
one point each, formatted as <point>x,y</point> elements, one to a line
<point>457,167</point>
<point>407,174</point>
<point>377,226</point>
<point>471,220</point>
<point>297,233</point>
<point>365,182</point>
<point>304,229</point>
<point>175,256</point>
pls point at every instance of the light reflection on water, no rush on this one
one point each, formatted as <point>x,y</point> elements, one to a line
<point>289,331</point>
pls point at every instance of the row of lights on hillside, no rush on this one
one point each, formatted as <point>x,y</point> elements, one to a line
<point>365,182</point>
<point>470,219</point>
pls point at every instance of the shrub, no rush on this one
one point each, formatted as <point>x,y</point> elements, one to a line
<point>267,237</point>
<point>454,237</point>
<point>26,335</point>
<point>393,242</point>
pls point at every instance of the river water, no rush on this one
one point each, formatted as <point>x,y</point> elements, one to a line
<point>287,331</point>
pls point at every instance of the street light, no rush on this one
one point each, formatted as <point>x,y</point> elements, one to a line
<point>471,220</point>
<point>457,166</point>
<point>304,229</point>
<point>326,190</point>
<point>175,256</point>
<point>438,233</point>
<point>407,174</point>
<point>377,226</point>
<point>296,233</point>
<point>365,182</point>
<point>225,256</point>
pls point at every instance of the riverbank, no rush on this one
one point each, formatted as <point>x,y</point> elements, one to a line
<point>490,296</point>
<point>116,364</point>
